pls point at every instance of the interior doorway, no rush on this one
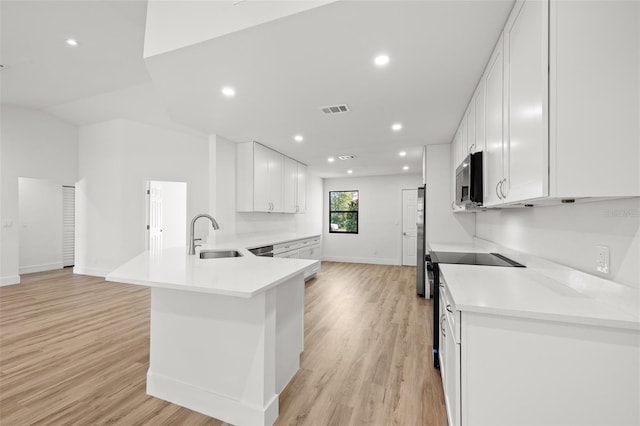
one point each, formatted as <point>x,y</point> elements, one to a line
<point>409,226</point>
<point>166,214</point>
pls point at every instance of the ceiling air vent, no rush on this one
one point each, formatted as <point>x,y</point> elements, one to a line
<point>347,157</point>
<point>335,109</point>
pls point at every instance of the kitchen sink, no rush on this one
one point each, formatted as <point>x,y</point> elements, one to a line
<point>219,254</point>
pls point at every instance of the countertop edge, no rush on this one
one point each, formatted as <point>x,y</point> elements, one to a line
<point>551,317</point>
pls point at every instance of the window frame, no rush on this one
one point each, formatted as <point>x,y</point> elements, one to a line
<point>356,212</point>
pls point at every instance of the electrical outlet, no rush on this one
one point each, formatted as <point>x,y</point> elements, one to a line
<point>602,261</point>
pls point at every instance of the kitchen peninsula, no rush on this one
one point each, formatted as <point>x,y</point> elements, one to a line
<point>226,333</point>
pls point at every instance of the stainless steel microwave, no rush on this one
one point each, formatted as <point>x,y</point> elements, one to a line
<point>469,181</point>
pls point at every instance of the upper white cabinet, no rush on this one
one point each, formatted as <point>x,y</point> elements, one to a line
<point>493,157</point>
<point>560,104</point>
<point>267,181</point>
<point>295,186</point>
<point>259,178</point>
<point>290,183</point>
<point>301,188</point>
<point>526,159</point>
<point>479,134</point>
<point>594,85</point>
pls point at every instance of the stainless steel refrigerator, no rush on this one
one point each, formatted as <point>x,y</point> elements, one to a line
<point>422,243</point>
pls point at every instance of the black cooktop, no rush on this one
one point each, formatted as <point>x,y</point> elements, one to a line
<point>488,259</point>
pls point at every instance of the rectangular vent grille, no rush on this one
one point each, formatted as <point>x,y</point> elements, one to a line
<point>335,109</point>
<point>347,157</point>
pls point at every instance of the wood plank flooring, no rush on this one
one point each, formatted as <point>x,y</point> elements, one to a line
<point>74,349</point>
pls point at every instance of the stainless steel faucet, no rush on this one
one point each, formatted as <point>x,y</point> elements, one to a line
<point>192,241</point>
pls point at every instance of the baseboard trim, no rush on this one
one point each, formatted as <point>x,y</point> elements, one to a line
<point>209,403</point>
<point>40,268</point>
<point>95,272</point>
<point>369,260</point>
<point>10,280</point>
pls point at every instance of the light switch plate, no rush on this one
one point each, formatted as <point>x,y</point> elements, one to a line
<point>602,260</point>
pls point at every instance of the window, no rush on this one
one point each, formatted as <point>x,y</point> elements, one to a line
<point>343,212</point>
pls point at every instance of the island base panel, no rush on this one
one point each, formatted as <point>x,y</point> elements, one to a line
<point>224,356</point>
<point>209,403</point>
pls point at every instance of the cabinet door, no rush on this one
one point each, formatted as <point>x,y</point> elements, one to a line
<point>261,201</point>
<point>453,370</point>
<point>471,127</point>
<point>462,147</point>
<point>454,165</point>
<point>276,170</point>
<point>301,186</point>
<point>494,118</point>
<point>290,185</point>
<point>478,101</point>
<point>442,349</point>
<point>526,92</point>
<point>595,99</point>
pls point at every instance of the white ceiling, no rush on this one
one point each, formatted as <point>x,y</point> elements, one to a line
<point>282,70</point>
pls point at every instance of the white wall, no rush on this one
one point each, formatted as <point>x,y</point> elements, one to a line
<point>379,238</point>
<point>442,224</point>
<point>35,145</point>
<point>40,226</point>
<point>569,234</point>
<point>232,223</point>
<point>116,158</point>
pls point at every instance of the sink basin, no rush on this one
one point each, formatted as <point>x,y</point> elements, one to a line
<point>219,254</point>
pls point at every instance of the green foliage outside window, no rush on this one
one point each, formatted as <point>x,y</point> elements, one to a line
<point>343,212</point>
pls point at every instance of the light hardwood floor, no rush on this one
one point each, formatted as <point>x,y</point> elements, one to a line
<point>74,349</point>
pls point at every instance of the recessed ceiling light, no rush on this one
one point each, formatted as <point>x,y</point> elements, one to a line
<point>228,91</point>
<point>298,138</point>
<point>402,153</point>
<point>71,42</point>
<point>381,60</point>
<point>396,127</point>
<point>405,168</point>
<point>331,159</point>
<point>349,171</point>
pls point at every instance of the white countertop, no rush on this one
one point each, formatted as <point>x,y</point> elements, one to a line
<point>526,293</point>
<point>243,276</point>
<point>542,290</point>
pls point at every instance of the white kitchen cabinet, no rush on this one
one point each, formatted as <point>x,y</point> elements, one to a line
<point>525,152</point>
<point>308,248</point>
<point>449,352</point>
<point>516,154</point>
<point>295,186</point>
<point>301,188</point>
<point>493,157</point>
<point>471,128</point>
<point>499,369</point>
<point>260,184</point>
<point>561,104</point>
<point>290,185</point>
<point>479,119</point>
<point>594,99</point>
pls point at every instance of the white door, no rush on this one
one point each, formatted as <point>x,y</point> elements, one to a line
<point>409,226</point>
<point>167,217</point>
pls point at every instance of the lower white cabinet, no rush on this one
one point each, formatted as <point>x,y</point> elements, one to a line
<point>450,356</point>
<point>308,248</point>
<point>506,370</point>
